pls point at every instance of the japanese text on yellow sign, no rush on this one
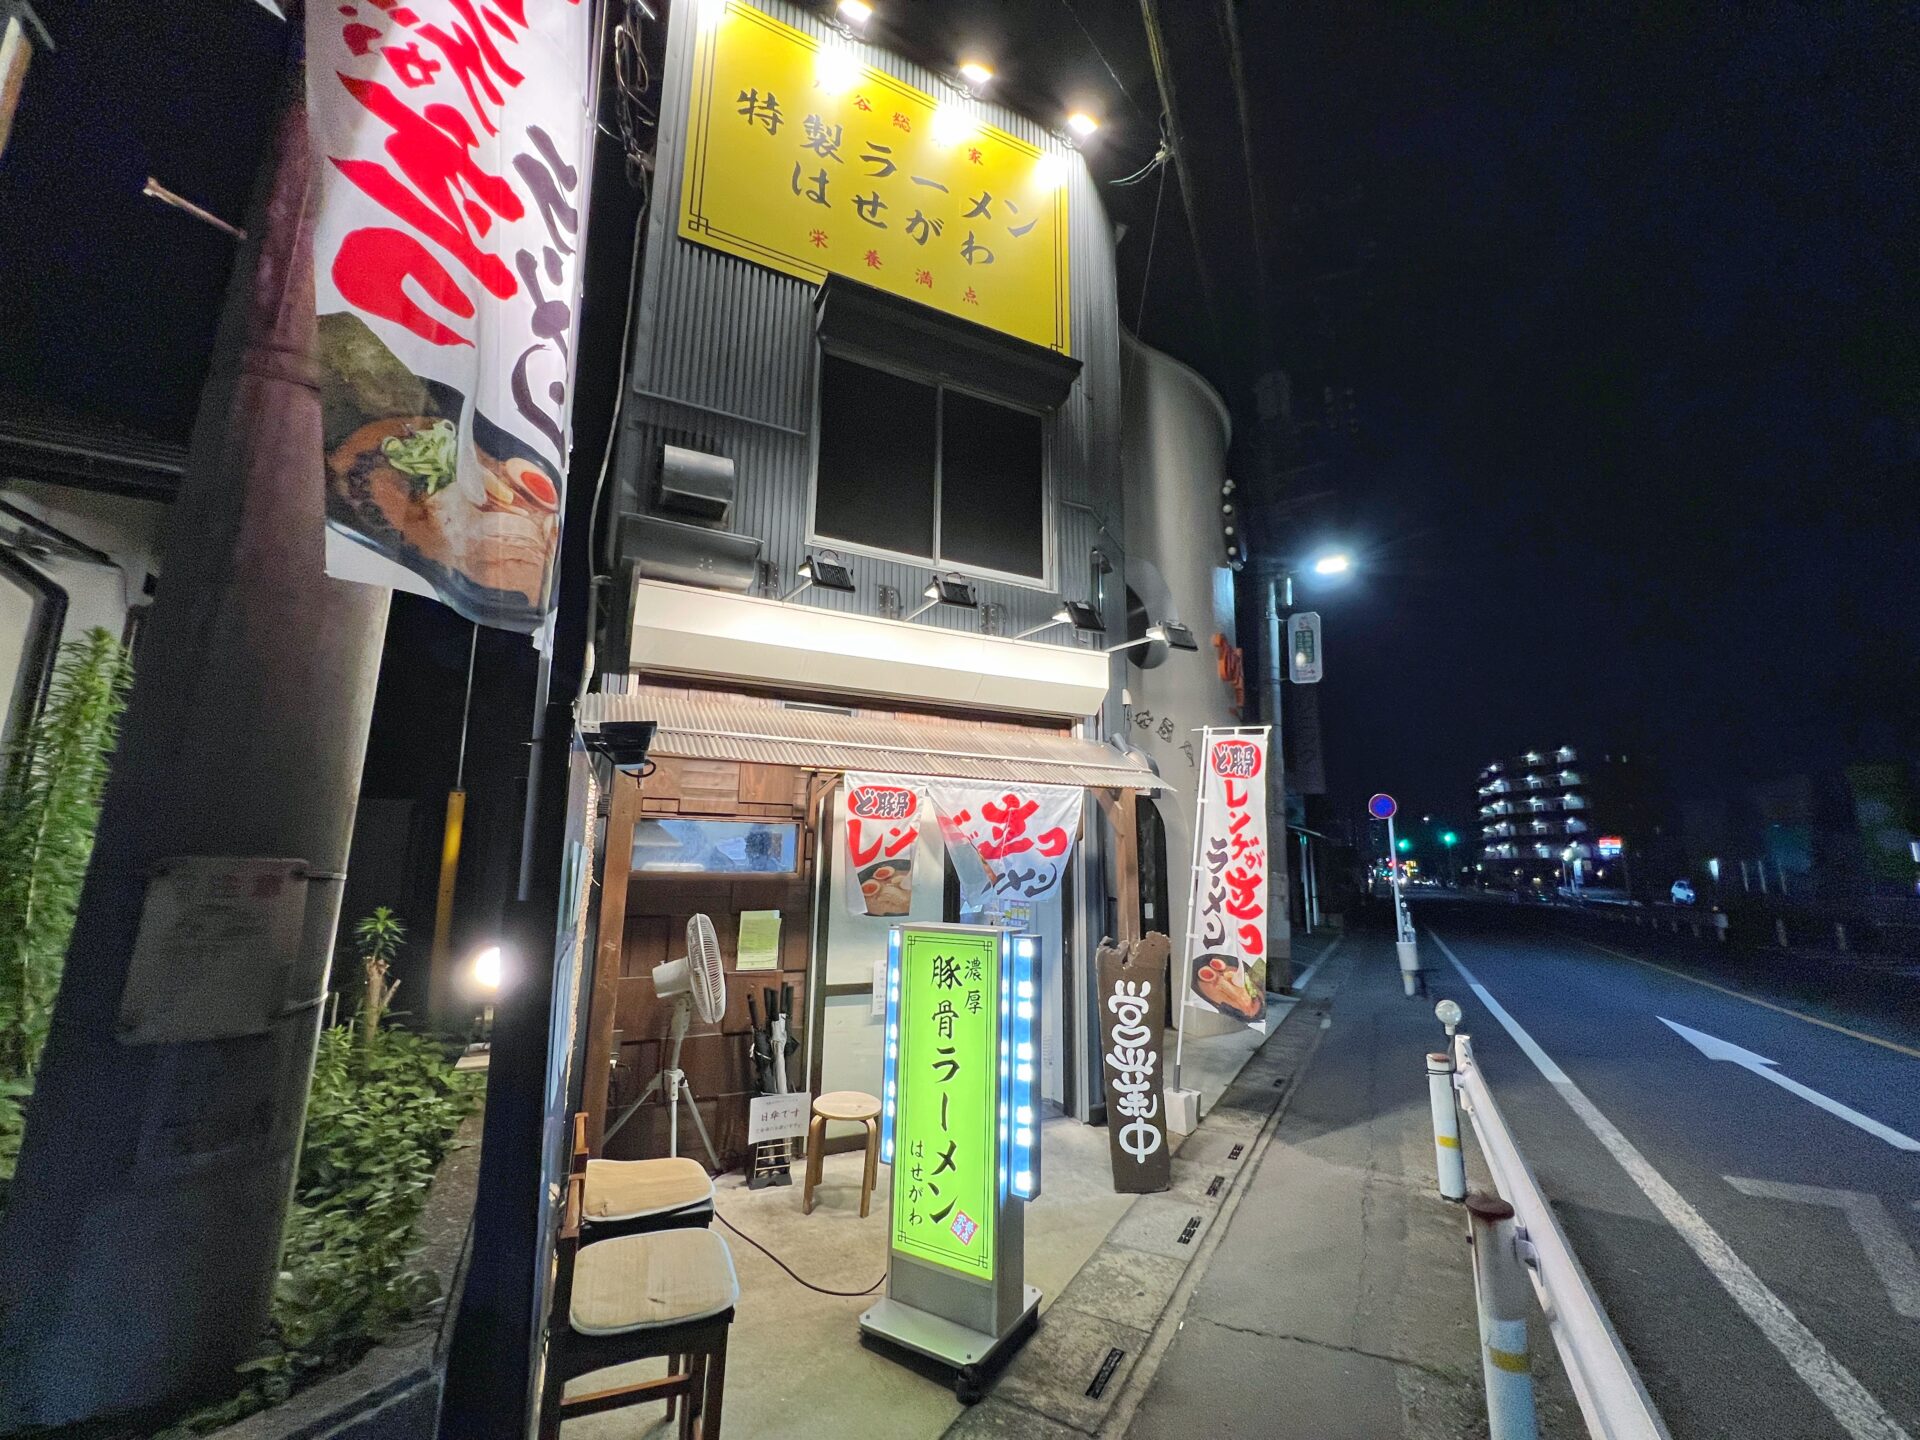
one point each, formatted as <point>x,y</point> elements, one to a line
<point>804,160</point>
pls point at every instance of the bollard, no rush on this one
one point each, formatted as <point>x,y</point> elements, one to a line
<point>1447,1157</point>
<point>1720,926</point>
<point>1409,951</point>
<point>1500,1289</point>
<point>1780,932</point>
<point>1840,937</point>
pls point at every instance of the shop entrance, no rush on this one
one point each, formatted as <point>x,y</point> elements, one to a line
<point>729,840</point>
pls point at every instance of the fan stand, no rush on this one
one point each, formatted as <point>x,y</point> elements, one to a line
<point>677,1087</point>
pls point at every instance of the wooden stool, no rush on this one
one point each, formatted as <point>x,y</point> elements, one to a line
<point>670,1293</point>
<point>857,1108</point>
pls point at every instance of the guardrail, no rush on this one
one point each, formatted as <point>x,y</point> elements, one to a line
<point>1612,1399</point>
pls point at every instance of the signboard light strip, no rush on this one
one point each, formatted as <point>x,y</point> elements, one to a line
<point>890,1071</point>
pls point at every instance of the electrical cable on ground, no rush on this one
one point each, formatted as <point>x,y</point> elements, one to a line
<point>817,1289</point>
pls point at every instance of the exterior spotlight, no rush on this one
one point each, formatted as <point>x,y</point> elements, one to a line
<point>1338,563</point>
<point>1082,124</point>
<point>828,574</point>
<point>1076,613</point>
<point>1170,633</point>
<point>952,588</point>
<point>974,72</point>
<point>856,12</point>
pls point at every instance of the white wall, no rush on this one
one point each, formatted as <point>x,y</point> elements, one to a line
<point>1173,462</point>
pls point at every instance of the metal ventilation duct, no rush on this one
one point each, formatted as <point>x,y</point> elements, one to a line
<point>689,554</point>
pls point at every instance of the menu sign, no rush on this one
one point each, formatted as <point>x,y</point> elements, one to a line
<point>883,827</point>
<point>945,1161</point>
<point>1226,950</point>
<point>451,155</point>
<point>1133,985</point>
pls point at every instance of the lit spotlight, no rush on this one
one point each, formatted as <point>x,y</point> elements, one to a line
<point>975,73</point>
<point>835,70</point>
<point>1050,172</point>
<point>951,125</point>
<point>1082,124</point>
<point>856,12</point>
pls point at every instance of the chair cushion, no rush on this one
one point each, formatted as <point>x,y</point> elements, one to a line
<point>628,1189</point>
<point>847,1105</point>
<point>667,1277</point>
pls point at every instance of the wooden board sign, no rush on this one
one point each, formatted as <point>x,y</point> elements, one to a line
<point>1133,984</point>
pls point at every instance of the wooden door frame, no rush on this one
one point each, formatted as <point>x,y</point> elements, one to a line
<point>596,1079</point>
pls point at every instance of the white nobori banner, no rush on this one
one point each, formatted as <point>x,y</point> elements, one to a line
<point>1226,948</point>
<point>452,155</point>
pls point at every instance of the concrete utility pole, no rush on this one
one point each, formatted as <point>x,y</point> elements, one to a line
<point>138,1254</point>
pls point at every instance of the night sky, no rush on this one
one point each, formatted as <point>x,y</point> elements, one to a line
<point>1629,299</point>
<point>1637,350</point>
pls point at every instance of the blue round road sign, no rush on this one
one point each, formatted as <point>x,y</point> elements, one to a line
<point>1381,807</point>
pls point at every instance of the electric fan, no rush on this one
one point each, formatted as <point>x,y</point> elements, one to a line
<point>693,982</point>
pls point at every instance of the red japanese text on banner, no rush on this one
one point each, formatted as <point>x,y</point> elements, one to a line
<point>1010,843</point>
<point>452,153</point>
<point>882,814</point>
<point>1226,949</point>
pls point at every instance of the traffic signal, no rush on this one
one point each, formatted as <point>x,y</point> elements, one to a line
<point>1405,845</point>
<point>1447,837</point>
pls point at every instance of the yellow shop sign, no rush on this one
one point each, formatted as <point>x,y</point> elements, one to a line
<point>802,159</point>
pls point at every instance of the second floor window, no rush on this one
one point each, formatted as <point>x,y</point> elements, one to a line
<point>927,471</point>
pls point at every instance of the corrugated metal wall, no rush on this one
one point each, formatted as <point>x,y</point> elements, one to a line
<point>723,354</point>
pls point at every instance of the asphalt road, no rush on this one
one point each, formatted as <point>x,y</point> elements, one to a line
<point>1753,1243</point>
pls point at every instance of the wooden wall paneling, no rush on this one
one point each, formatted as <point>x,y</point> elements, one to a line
<point>609,953</point>
<point>1121,808</point>
<point>766,785</point>
<point>658,908</point>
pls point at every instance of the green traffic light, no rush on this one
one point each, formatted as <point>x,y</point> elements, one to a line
<point>1406,844</point>
<point>1447,837</point>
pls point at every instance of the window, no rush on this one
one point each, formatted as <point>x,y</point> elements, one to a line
<point>920,469</point>
<point>716,847</point>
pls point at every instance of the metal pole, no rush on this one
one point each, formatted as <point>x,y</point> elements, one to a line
<point>1501,1291</point>
<point>1404,944</point>
<point>440,986</point>
<point>1306,890</point>
<point>1184,960</point>
<point>143,1231</point>
<point>1448,1159</point>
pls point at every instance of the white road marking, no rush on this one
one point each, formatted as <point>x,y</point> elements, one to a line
<point>1715,1049</point>
<point>1887,1249</point>
<point>1849,1402</point>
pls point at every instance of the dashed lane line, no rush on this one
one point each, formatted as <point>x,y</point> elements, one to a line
<point>1849,1402</point>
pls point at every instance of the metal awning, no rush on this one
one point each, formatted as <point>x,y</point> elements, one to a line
<point>700,725</point>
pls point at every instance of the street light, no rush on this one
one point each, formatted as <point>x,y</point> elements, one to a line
<point>1336,563</point>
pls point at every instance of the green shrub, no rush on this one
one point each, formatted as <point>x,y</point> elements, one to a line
<point>49,806</point>
<point>379,1121</point>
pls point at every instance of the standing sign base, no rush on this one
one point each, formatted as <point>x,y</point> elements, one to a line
<point>973,1356</point>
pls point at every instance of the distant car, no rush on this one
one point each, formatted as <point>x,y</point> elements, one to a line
<point>1683,892</point>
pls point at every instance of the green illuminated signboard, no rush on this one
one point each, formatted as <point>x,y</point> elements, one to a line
<point>944,1153</point>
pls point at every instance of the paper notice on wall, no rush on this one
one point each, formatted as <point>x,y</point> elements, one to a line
<point>759,947</point>
<point>1226,948</point>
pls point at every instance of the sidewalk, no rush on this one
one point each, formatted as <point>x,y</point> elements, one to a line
<point>1339,1300</point>
<point>1301,1280</point>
